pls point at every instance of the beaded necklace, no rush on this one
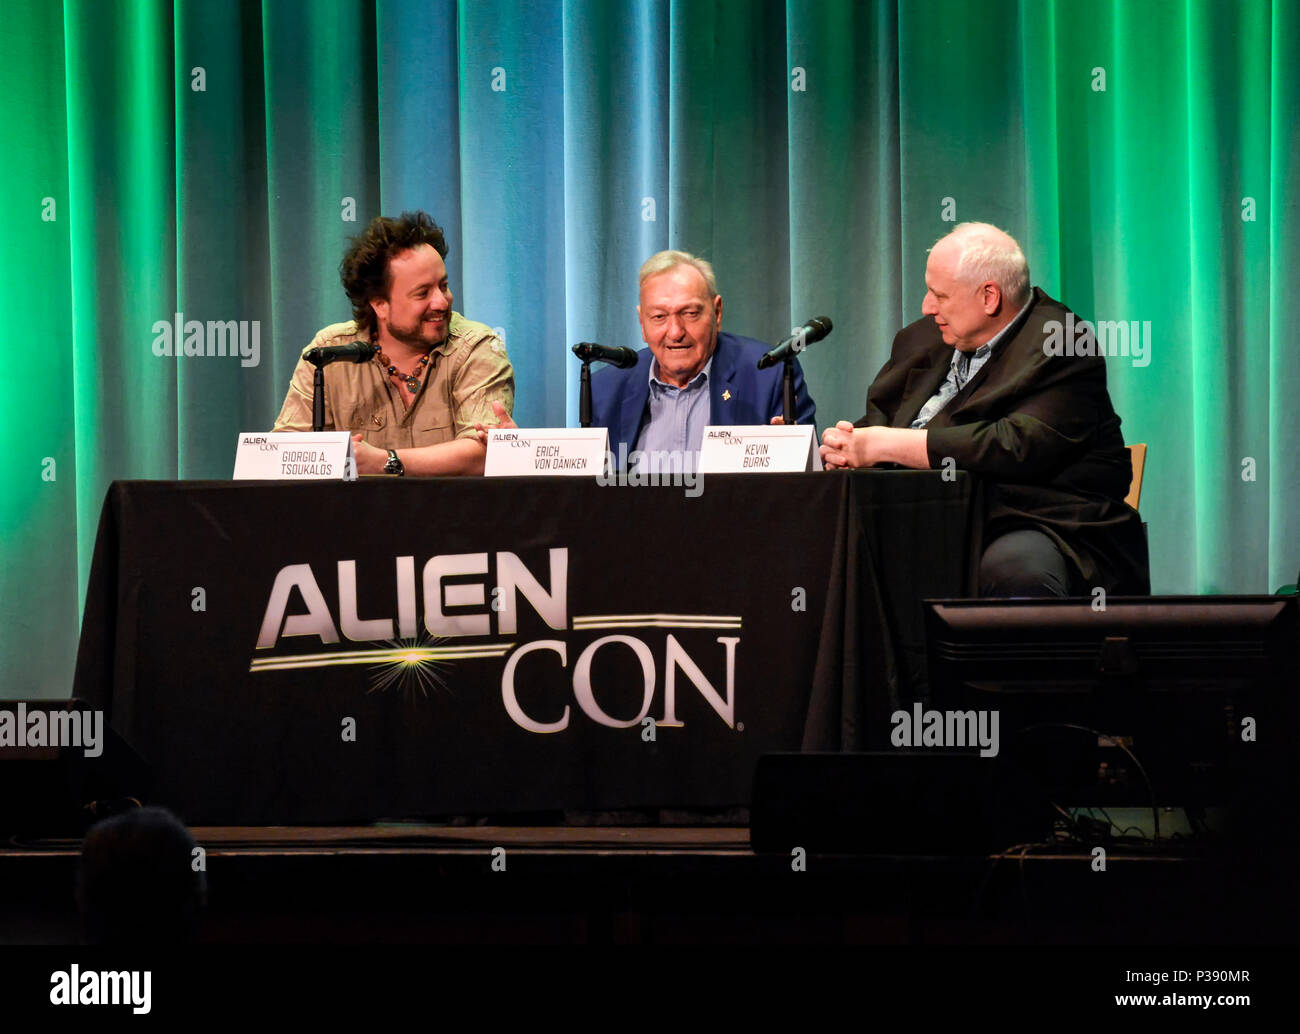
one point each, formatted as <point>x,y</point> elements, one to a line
<point>412,379</point>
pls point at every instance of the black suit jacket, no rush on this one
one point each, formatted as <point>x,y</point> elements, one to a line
<point>1041,431</point>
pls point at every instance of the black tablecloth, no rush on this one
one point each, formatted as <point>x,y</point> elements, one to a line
<point>656,643</point>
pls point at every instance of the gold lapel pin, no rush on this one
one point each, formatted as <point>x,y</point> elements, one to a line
<point>726,395</point>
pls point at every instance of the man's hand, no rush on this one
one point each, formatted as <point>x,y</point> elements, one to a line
<point>503,423</point>
<point>370,460</point>
<point>847,446</point>
<point>844,446</point>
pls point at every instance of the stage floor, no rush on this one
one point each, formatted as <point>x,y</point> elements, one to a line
<point>407,883</point>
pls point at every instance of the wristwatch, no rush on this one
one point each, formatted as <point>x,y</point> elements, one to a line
<point>394,465</point>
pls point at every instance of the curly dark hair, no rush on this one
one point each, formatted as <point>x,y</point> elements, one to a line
<point>365,268</point>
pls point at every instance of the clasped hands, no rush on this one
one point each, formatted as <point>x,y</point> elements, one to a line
<point>845,446</point>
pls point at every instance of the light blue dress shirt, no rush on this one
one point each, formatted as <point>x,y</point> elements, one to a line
<point>671,437</point>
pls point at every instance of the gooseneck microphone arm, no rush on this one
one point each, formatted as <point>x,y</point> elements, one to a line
<point>814,330</point>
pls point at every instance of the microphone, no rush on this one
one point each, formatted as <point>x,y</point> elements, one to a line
<point>623,358</point>
<point>356,352</point>
<point>814,330</point>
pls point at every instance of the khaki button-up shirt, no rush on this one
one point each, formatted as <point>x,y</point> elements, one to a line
<point>466,373</point>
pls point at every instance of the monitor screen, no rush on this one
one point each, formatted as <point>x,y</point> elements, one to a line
<point>1175,701</point>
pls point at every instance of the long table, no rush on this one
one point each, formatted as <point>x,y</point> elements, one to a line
<point>327,652</point>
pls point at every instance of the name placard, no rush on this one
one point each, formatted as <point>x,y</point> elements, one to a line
<point>567,451</point>
<point>295,456</point>
<point>765,448</point>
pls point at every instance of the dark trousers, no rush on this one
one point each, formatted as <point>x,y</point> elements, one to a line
<point>1023,563</point>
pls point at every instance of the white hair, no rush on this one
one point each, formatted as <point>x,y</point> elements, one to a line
<point>666,260</point>
<point>988,253</point>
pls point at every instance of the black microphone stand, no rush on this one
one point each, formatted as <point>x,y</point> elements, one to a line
<point>358,352</point>
<point>787,392</point>
<point>584,394</point>
<point>318,398</point>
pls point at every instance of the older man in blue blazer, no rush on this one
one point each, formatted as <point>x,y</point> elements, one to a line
<point>691,376</point>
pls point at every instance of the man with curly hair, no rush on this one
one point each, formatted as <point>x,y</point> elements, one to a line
<point>412,409</point>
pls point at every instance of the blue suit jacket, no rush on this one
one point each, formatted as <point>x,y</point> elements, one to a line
<point>619,398</point>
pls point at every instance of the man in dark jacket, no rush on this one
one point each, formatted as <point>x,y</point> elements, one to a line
<point>983,383</point>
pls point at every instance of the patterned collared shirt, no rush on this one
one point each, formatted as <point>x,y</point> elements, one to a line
<point>963,367</point>
<point>466,373</point>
